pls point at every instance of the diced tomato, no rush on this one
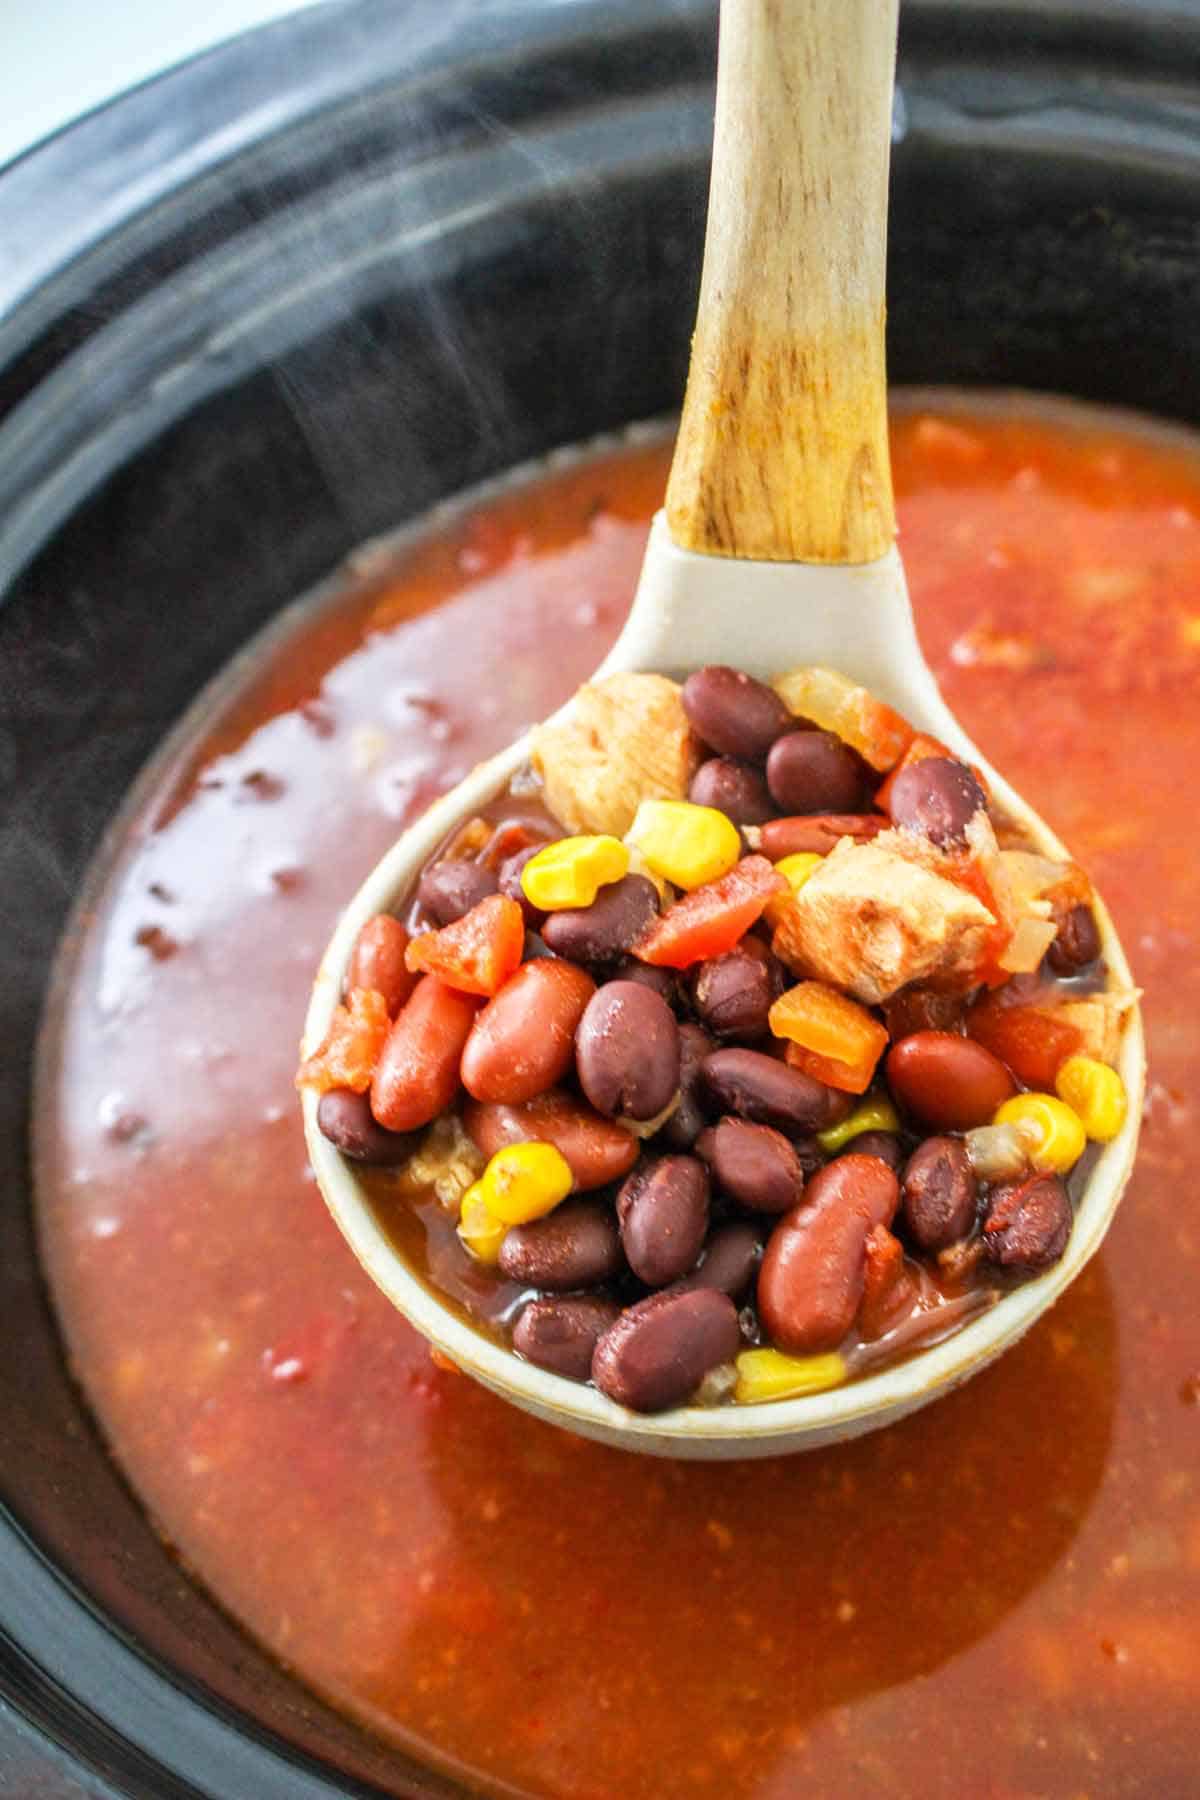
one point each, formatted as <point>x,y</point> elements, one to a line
<point>352,1045</point>
<point>477,953</point>
<point>711,919</point>
<point>966,872</point>
<point>889,1289</point>
<point>1028,1039</point>
<point>830,1037</point>
<point>817,832</point>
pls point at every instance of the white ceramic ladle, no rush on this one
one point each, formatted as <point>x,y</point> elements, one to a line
<point>775,548</point>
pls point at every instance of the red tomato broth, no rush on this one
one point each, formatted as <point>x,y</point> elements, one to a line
<point>541,1611</point>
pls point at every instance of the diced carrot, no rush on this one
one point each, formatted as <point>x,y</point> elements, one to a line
<point>347,1057</point>
<point>711,919</point>
<point>1029,1040</point>
<point>477,953</point>
<point>830,1036</point>
<point>816,831</point>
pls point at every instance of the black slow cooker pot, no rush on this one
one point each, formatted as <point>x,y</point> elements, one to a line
<point>283,299</point>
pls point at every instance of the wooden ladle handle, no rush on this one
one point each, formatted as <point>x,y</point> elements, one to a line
<point>782,452</point>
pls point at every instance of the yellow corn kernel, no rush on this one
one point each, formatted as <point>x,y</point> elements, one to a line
<point>770,1375</point>
<point>1063,1138</point>
<point>478,1231</point>
<point>685,844</point>
<point>572,871</point>
<point>797,869</point>
<point>875,1114</point>
<point>524,1181</point>
<point>1096,1093</point>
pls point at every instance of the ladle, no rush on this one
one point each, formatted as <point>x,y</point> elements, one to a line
<point>776,547</point>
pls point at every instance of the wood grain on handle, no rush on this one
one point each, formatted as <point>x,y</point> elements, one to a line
<point>782,452</point>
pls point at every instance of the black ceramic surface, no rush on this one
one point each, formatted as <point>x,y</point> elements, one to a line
<point>285,298</point>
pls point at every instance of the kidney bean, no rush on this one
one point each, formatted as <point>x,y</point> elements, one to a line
<point>627,1051</point>
<point>1028,1223</point>
<point>760,1088</point>
<point>659,1351</point>
<point>812,1274</point>
<point>753,1164</point>
<point>447,890</point>
<point>561,1335</point>
<point>733,713</point>
<point>688,1120</point>
<point>663,1213</point>
<point>938,797</point>
<point>663,981</point>
<point>523,1041</point>
<point>939,1193</point>
<point>884,1144</point>
<point>508,879</point>
<point>417,1074</point>
<point>576,1246</point>
<point>1077,943</point>
<point>814,772</point>
<point>820,832</point>
<point>733,994</point>
<point>602,931</point>
<point>730,1260</point>
<point>734,788</point>
<point>345,1118</point>
<point>597,1150</point>
<point>948,1082</point>
<point>377,961</point>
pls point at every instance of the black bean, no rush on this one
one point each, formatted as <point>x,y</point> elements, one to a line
<point>1077,943</point>
<point>1027,1223</point>
<point>346,1119</point>
<point>576,1246</point>
<point>938,1192</point>
<point>659,1351</point>
<point>729,1262</point>
<point>600,932</point>
<point>877,1143</point>
<point>733,994</point>
<point>663,981</point>
<point>509,882</point>
<point>760,1088</point>
<point>937,797</point>
<point>627,1051</point>
<point>688,1120</point>
<point>814,772</point>
<point>754,1164</point>
<point>561,1335</point>
<point>733,713</point>
<point>734,788</point>
<point>447,890</point>
<point>663,1212</point>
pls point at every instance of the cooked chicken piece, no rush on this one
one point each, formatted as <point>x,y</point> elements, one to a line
<point>627,741</point>
<point>1100,1018</point>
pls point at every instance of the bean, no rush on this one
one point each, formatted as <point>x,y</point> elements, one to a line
<point>663,981</point>
<point>884,1144</point>
<point>754,1164</point>
<point>819,832</point>
<point>760,1088</point>
<point>576,1246</point>
<point>561,1335</point>
<point>659,1351</point>
<point>523,1041</point>
<point>922,1009</point>
<point>688,1120</point>
<point>937,797</point>
<point>377,961</point>
<point>447,890</point>
<point>597,1150</point>
<point>417,1074</point>
<point>599,933</point>
<point>345,1118</point>
<point>1077,943</point>
<point>939,1193</point>
<point>812,1275</point>
<point>730,1260</point>
<point>734,788</point>
<point>946,1081</point>
<point>814,772</point>
<point>663,1213</point>
<point>627,1051</point>
<point>733,994</point>
<point>1028,1223</point>
<point>508,877</point>
<point>733,713</point>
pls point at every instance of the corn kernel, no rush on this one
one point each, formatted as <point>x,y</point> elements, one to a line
<point>797,869</point>
<point>525,1181</point>
<point>1097,1094</point>
<point>876,1114</point>
<point>685,844</point>
<point>572,871</point>
<point>478,1231</point>
<point>770,1375</point>
<point>1063,1138</point>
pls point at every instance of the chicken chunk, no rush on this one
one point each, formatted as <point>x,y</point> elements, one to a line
<point>1100,1018</point>
<point>627,741</point>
